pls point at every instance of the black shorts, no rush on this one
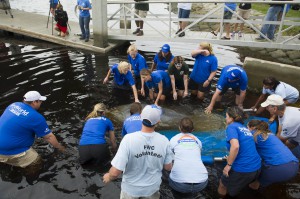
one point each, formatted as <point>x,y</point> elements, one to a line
<point>236,90</point>
<point>237,181</point>
<point>93,153</point>
<point>166,91</point>
<point>138,83</point>
<point>125,86</point>
<point>196,86</point>
<point>179,85</point>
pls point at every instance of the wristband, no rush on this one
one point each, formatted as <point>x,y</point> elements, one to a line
<point>229,164</point>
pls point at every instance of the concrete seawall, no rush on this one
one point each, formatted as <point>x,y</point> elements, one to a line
<point>258,69</point>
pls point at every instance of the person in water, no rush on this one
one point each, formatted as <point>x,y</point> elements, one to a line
<point>163,58</point>
<point>134,122</point>
<point>92,145</point>
<point>279,163</point>
<point>20,124</point>
<point>141,158</point>
<point>123,78</point>
<point>243,162</point>
<point>188,174</point>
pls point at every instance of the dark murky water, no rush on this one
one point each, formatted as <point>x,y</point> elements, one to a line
<point>71,81</point>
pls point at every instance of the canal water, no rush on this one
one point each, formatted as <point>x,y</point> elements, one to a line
<point>71,79</point>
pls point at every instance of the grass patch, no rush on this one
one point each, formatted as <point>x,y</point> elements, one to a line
<point>263,8</point>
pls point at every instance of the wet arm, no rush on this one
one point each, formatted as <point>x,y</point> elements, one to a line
<point>107,76</point>
<point>185,82</point>
<point>113,140</point>
<point>160,90</point>
<point>111,175</point>
<point>136,99</point>
<point>50,138</point>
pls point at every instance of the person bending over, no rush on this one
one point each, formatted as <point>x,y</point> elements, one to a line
<point>162,59</point>
<point>134,122</point>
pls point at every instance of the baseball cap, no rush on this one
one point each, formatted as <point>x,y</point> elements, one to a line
<point>234,74</point>
<point>165,48</point>
<point>274,100</point>
<point>151,115</point>
<point>31,96</point>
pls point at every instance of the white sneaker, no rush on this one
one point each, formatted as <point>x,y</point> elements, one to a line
<point>240,34</point>
<point>233,34</point>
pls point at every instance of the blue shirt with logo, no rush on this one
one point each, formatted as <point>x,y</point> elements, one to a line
<point>158,76</point>
<point>132,124</point>
<point>247,159</point>
<point>163,64</point>
<point>94,131</point>
<point>273,151</point>
<point>204,65</point>
<point>122,79</point>
<point>137,64</point>
<point>223,80</point>
<point>19,125</point>
<point>84,4</point>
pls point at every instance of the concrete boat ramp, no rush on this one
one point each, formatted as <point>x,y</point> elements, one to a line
<point>35,25</point>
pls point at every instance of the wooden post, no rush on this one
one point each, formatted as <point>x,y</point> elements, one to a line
<point>100,32</point>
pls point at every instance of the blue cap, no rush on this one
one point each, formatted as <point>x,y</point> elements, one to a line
<point>234,74</point>
<point>165,48</point>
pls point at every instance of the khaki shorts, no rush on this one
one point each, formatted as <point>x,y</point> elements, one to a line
<point>22,159</point>
<point>141,13</point>
<point>124,195</point>
<point>245,14</point>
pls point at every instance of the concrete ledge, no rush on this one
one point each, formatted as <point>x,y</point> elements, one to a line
<point>258,69</point>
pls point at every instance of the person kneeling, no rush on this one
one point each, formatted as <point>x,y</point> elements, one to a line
<point>61,17</point>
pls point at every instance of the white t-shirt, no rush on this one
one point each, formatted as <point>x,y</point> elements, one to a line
<point>290,123</point>
<point>141,157</point>
<point>185,6</point>
<point>188,166</point>
<point>285,90</point>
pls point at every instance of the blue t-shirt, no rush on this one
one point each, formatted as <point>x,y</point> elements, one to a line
<point>94,131</point>
<point>273,151</point>
<point>204,65</point>
<point>247,159</point>
<point>84,4</point>
<point>132,124</point>
<point>122,79</point>
<point>137,64</point>
<point>232,6</point>
<point>224,83</point>
<point>158,76</point>
<point>53,1</point>
<point>163,64</point>
<point>19,124</point>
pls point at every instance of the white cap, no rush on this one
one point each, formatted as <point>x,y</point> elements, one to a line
<point>274,100</point>
<point>151,113</point>
<point>31,96</point>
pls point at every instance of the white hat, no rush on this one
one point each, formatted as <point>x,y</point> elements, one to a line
<point>31,96</point>
<point>274,100</point>
<point>151,115</point>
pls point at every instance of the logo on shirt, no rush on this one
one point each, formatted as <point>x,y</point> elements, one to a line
<point>149,151</point>
<point>17,110</point>
<point>245,131</point>
<point>181,72</point>
<point>235,68</point>
<point>284,131</point>
<point>207,61</point>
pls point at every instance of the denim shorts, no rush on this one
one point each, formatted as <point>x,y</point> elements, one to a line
<point>187,187</point>
<point>182,13</point>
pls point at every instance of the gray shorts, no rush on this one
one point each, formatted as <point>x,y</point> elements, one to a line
<point>124,195</point>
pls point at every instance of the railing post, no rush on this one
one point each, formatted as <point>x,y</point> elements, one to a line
<point>99,10</point>
<point>124,23</point>
<point>281,23</point>
<point>170,12</point>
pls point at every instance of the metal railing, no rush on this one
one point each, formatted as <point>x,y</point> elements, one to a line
<point>169,18</point>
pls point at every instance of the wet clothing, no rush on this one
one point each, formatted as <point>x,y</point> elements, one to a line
<point>137,64</point>
<point>286,91</point>
<point>132,124</point>
<point>241,83</point>
<point>247,159</point>
<point>179,74</point>
<point>141,157</point>
<point>196,86</point>
<point>157,77</point>
<point>290,123</point>
<point>94,130</point>
<point>122,79</point>
<point>93,153</point>
<point>162,64</point>
<point>279,164</point>
<point>203,66</point>
<point>19,125</point>
<point>188,166</point>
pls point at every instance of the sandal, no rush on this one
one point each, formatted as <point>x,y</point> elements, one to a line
<point>226,38</point>
<point>213,32</point>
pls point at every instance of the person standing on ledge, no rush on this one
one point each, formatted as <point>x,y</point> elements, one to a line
<point>84,7</point>
<point>20,123</point>
<point>141,10</point>
<point>141,157</point>
<point>184,10</point>
<point>53,5</point>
